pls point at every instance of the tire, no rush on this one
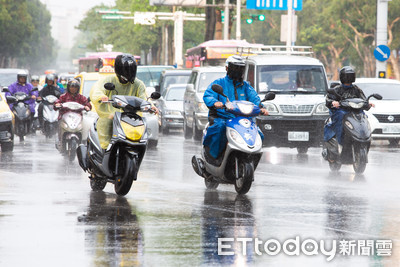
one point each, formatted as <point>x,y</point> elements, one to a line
<point>360,163</point>
<point>72,149</point>
<point>246,174</point>
<point>335,166</point>
<point>21,138</point>
<point>128,168</point>
<point>197,135</point>
<point>98,184</point>
<point>187,132</point>
<point>7,146</point>
<point>211,183</point>
<point>165,130</point>
<point>302,150</point>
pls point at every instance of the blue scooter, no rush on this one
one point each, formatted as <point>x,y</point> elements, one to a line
<point>243,150</point>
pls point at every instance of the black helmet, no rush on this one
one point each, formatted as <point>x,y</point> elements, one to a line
<point>347,75</point>
<point>49,77</point>
<point>125,68</point>
<point>236,66</point>
<point>73,83</point>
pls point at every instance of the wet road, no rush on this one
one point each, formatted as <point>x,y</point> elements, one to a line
<point>50,217</point>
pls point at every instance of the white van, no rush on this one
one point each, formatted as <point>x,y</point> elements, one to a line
<point>297,114</point>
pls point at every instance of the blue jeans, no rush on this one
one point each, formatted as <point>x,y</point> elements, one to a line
<point>335,127</point>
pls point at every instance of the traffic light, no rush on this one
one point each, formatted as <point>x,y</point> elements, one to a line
<point>261,17</point>
<point>255,17</point>
<point>382,74</point>
<point>249,21</point>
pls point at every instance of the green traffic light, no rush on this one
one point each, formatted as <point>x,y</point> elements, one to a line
<point>249,21</point>
<point>261,17</point>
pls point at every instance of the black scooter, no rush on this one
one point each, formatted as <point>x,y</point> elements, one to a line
<point>356,136</point>
<point>120,162</point>
<point>22,112</point>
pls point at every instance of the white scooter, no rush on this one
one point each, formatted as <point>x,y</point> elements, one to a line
<point>243,151</point>
<point>70,129</point>
<point>50,116</point>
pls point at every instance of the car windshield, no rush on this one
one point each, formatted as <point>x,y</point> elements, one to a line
<point>7,79</point>
<point>289,79</point>
<point>206,78</point>
<point>87,85</point>
<point>145,77</point>
<point>175,80</point>
<point>175,94</point>
<point>386,90</point>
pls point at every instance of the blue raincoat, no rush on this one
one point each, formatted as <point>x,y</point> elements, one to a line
<point>215,138</point>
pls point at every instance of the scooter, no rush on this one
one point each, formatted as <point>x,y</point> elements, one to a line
<point>120,162</point>
<point>70,129</point>
<point>22,112</point>
<point>50,116</point>
<point>243,150</point>
<point>356,136</point>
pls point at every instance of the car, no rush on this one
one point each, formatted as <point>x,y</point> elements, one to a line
<point>6,126</point>
<point>150,75</point>
<point>384,118</point>
<point>9,76</point>
<point>298,112</point>
<point>171,107</point>
<point>172,77</point>
<point>195,112</point>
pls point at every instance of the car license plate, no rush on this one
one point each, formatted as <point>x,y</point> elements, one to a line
<point>390,129</point>
<point>298,136</point>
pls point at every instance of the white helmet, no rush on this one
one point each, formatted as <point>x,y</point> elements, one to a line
<point>235,68</point>
<point>235,60</point>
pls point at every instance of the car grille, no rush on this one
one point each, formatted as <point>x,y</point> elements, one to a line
<point>296,109</point>
<point>385,118</point>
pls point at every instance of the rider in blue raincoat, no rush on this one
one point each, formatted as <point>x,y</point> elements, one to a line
<point>235,89</point>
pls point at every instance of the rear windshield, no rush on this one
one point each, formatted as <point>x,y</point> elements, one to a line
<point>288,79</point>
<point>387,91</point>
<point>206,78</point>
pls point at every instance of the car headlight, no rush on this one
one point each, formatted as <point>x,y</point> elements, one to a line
<point>356,105</point>
<point>202,107</point>
<point>236,136</point>
<point>271,108</point>
<point>173,112</point>
<point>321,109</point>
<point>5,116</point>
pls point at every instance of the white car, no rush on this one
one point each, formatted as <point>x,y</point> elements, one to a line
<point>384,118</point>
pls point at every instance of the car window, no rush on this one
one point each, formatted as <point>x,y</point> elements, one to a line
<point>7,79</point>
<point>250,75</point>
<point>193,77</point>
<point>387,91</point>
<point>175,94</point>
<point>206,78</point>
<point>175,80</point>
<point>87,85</point>
<point>291,78</point>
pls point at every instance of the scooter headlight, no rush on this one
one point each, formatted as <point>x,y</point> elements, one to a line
<point>271,108</point>
<point>349,125</point>
<point>236,136</point>
<point>356,105</point>
<point>246,108</point>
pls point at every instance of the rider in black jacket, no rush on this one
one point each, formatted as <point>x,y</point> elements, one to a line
<point>50,89</point>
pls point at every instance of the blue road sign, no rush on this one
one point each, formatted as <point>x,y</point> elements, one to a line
<point>382,52</point>
<point>274,4</point>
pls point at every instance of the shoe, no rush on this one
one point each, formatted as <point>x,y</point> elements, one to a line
<point>196,166</point>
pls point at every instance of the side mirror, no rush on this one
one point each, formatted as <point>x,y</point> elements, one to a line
<point>88,99</point>
<point>334,84</point>
<point>377,96</point>
<point>269,96</point>
<point>190,87</point>
<point>218,89</point>
<point>155,95</point>
<point>109,86</point>
<point>5,90</point>
<point>11,99</point>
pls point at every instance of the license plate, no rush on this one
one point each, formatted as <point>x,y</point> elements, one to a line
<point>391,129</point>
<point>298,136</point>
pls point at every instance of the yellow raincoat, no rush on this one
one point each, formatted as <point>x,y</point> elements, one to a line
<point>106,110</point>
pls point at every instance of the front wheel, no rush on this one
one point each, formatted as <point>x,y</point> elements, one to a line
<point>211,183</point>
<point>360,162</point>
<point>245,179</point>
<point>72,149</point>
<point>126,174</point>
<point>98,184</point>
<point>335,166</point>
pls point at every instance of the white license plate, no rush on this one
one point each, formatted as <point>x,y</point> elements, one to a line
<point>298,136</point>
<point>390,129</point>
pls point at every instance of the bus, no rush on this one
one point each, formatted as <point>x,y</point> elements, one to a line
<point>100,62</point>
<point>213,52</point>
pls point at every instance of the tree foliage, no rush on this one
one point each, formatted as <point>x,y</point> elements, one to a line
<point>25,28</point>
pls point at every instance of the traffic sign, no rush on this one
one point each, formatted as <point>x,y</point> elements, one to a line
<point>274,4</point>
<point>382,52</point>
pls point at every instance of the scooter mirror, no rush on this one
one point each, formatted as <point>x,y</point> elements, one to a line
<point>34,89</point>
<point>377,96</point>
<point>269,96</point>
<point>155,95</point>
<point>218,89</point>
<point>109,86</point>
<point>5,90</point>
<point>11,99</point>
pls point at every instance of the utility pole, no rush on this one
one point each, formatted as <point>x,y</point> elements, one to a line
<point>238,20</point>
<point>289,24</point>
<point>226,22</point>
<point>381,31</point>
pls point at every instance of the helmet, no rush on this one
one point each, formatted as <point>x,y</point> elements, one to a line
<point>35,78</point>
<point>49,77</point>
<point>73,83</point>
<point>125,68</point>
<point>347,75</point>
<point>22,74</point>
<point>55,76</point>
<point>236,66</point>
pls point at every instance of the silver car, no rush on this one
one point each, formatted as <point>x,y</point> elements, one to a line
<point>171,107</point>
<point>195,112</point>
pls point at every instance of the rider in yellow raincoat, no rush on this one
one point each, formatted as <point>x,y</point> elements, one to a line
<point>126,83</point>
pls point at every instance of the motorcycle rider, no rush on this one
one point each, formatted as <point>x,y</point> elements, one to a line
<point>35,82</point>
<point>126,83</point>
<point>49,89</point>
<point>345,90</point>
<point>235,89</point>
<point>21,85</point>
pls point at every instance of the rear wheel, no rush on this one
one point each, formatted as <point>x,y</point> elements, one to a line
<point>187,132</point>
<point>127,173</point>
<point>211,183</point>
<point>72,149</point>
<point>360,163</point>
<point>245,179</point>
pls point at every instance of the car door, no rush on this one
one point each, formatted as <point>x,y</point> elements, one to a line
<point>189,98</point>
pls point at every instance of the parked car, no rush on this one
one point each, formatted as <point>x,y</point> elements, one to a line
<point>195,112</point>
<point>9,76</point>
<point>6,126</point>
<point>169,77</point>
<point>384,118</point>
<point>171,107</point>
<point>298,112</point>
